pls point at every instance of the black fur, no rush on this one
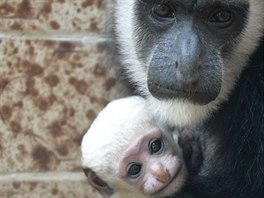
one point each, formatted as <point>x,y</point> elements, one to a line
<point>235,132</point>
<point>237,168</point>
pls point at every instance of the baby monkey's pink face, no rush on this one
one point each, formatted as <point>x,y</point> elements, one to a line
<point>154,164</point>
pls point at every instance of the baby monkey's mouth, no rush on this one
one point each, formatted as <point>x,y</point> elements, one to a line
<point>165,177</point>
<point>170,180</point>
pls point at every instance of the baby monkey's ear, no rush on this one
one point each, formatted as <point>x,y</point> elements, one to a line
<point>96,182</point>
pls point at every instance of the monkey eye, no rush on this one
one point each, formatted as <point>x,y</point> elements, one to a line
<point>133,170</point>
<point>156,146</point>
<point>221,16</point>
<point>163,11</point>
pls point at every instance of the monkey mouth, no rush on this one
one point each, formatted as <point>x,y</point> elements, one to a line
<point>169,186</point>
<point>197,97</point>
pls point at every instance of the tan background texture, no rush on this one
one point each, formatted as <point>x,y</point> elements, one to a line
<point>55,76</point>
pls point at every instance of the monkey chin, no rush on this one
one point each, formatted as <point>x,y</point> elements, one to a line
<point>175,185</point>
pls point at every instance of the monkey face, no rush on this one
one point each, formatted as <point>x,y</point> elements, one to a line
<point>153,164</point>
<point>186,56</point>
<point>183,46</point>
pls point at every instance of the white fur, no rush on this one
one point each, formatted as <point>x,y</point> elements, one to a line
<point>116,126</point>
<point>128,195</point>
<point>234,65</point>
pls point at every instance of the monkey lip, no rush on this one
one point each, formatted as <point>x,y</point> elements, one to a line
<point>170,183</point>
<point>199,97</point>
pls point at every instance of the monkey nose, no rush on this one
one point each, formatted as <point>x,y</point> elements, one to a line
<point>162,175</point>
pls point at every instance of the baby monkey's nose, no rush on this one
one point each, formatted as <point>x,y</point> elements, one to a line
<point>161,174</point>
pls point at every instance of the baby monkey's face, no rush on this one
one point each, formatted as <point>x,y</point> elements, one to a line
<point>154,164</point>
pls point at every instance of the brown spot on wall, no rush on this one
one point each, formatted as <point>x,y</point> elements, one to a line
<point>1,143</point>
<point>54,191</point>
<point>52,80</point>
<point>32,69</point>
<point>78,140</point>
<point>16,185</point>
<point>56,128</point>
<point>62,150</point>
<point>80,85</point>
<point>69,112</point>
<point>22,149</point>
<point>51,99</point>
<point>10,163</point>
<point>61,1</point>
<point>76,57</point>
<point>98,100</point>
<point>94,25</point>
<point>66,46</point>
<point>15,51</point>
<point>46,9</point>
<point>48,43</point>
<point>9,64</point>
<point>90,114</point>
<point>42,105</point>
<point>31,51</point>
<point>99,3</point>
<point>18,104</point>
<point>79,65</point>
<point>3,83</point>
<point>104,46</point>
<point>28,42</point>
<point>24,9</point>
<point>109,83</point>
<point>42,157</point>
<point>15,127</point>
<point>75,24</point>
<point>33,185</point>
<point>30,89</point>
<point>5,9</point>
<point>55,25</point>
<point>99,70</point>
<point>64,55</point>
<point>16,26</point>
<point>87,3</point>
<point>29,132</point>
<point>6,112</point>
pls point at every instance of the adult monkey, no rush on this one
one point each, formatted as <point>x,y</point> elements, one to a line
<point>203,59</point>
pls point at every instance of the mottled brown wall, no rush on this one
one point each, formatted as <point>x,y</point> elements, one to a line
<point>54,78</point>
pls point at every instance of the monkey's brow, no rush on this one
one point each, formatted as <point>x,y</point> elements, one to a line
<point>134,149</point>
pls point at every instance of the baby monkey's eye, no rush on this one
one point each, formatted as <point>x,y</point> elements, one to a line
<point>133,170</point>
<point>156,145</point>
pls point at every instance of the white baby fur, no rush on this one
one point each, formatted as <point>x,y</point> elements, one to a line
<point>110,134</point>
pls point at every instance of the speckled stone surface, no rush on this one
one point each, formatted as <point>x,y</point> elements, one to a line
<point>69,15</point>
<point>54,79</point>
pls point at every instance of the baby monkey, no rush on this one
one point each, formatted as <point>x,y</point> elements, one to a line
<point>125,153</point>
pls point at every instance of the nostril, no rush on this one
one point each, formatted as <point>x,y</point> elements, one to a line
<point>176,64</point>
<point>195,82</point>
<point>199,67</point>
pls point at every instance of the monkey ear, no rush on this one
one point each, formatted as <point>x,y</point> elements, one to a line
<point>101,186</point>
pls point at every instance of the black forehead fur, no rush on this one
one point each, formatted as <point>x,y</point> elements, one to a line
<point>193,5</point>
